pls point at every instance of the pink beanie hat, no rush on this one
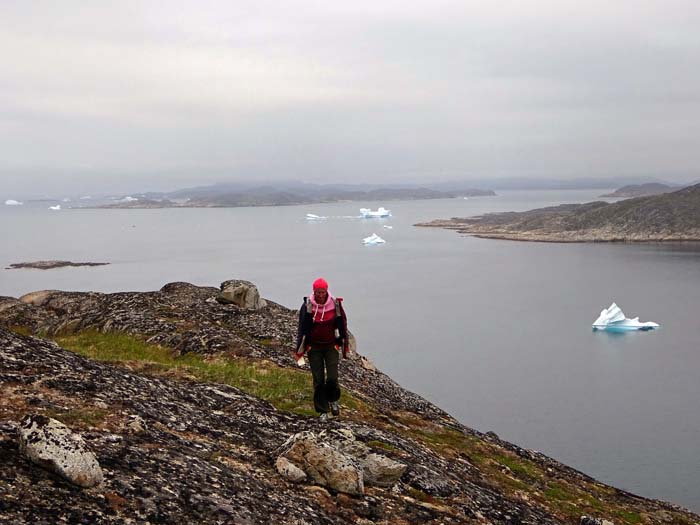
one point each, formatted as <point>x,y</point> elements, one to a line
<point>320,283</point>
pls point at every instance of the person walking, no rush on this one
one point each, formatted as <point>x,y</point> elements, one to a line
<point>322,335</point>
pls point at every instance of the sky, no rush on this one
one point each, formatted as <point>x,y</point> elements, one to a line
<point>150,95</point>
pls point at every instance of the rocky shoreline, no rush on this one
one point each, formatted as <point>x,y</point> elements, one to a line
<point>668,217</point>
<point>510,233</point>
<point>178,444</point>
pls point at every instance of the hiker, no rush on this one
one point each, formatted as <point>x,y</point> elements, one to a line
<point>322,335</point>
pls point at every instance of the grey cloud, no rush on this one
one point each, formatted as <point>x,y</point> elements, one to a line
<point>101,95</point>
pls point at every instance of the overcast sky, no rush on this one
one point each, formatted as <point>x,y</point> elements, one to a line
<point>129,96</point>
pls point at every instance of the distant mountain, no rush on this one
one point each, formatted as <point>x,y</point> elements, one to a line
<point>671,216</point>
<point>640,190</point>
<point>537,183</point>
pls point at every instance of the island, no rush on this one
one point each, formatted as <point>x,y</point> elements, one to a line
<point>229,195</point>
<point>49,265</point>
<point>185,405</point>
<point>667,217</point>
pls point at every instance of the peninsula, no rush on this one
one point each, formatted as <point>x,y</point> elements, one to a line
<point>640,190</point>
<point>671,216</point>
<point>184,405</point>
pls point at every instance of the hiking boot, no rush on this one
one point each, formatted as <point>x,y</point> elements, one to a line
<point>323,416</point>
<point>335,408</point>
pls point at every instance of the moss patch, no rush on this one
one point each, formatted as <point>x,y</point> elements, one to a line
<point>286,389</point>
<point>79,417</point>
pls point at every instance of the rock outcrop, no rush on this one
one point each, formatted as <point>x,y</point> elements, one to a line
<point>51,444</point>
<point>178,448</point>
<point>336,459</point>
<point>243,294</point>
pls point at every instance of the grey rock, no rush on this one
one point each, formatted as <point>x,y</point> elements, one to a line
<point>243,294</point>
<point>37,298</point>
<point>50,444</point>
<point>381,471</point>
<point>289,470</point>
<point>325,464</point>
<point>587,520</point>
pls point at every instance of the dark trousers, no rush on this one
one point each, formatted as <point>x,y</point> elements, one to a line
<point>323,361</point>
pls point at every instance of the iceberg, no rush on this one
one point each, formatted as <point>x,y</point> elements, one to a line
<point>314,217</point>
<point>55,208</point>
<point>369,214</point>
<point>613,319</point>
<point>373,239</point>
<point>12,202</point>
<point>388,227</point>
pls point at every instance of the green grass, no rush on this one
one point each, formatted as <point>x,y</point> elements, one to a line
<point>380,444</point>
<point>629,517</point>
<point>21,330</point>
<point>79,416</point>
<point>556,491</point>
<point>286,389</point>
<point>521,468</point>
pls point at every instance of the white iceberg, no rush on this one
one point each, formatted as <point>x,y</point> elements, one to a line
<point>85,197</point>
<point>129,198</point>
<point>66,199</point>
<point>388,227</point>
<point>369,214</point>
<point>613,319</point>
<point>12,202</point>
<point>55,208</point>
<point>314,217</point>
<point>373,239</point>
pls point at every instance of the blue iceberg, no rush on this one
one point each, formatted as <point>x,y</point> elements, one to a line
<point>612,319</point>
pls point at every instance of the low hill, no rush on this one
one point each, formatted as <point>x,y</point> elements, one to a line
<point>640,190</point>
<point>237,195</point>
<point>667,217</point>
<point>188,406</point>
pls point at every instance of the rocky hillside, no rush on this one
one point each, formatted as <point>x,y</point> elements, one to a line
<point>640,190</point>
<point>184,406</point>
<point>668,217</point>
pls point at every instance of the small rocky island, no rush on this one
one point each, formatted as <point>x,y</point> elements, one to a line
<point>185,406</point>
<point>49,265</point>
<point>671,216</point>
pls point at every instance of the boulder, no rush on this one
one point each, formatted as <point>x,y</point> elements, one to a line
<point>38,298</point>
<point>336,459</point>
<point>243,294</point>
<point>52,445</point>
<point>381,470</point>
<point>289,470</point>
<point>377,470</point>
<point>323,463</point>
